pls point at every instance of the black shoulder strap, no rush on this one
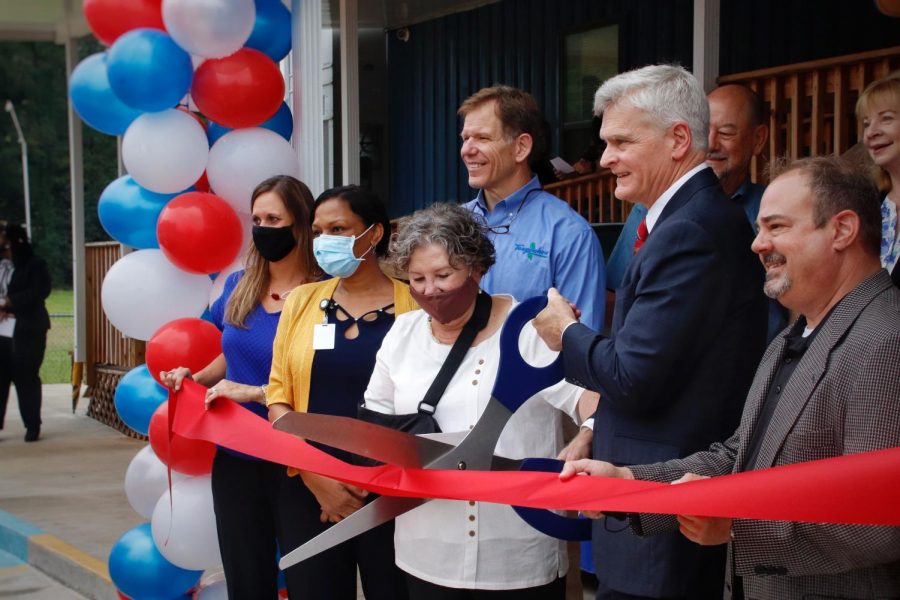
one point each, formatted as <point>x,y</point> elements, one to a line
<point>476,323</point>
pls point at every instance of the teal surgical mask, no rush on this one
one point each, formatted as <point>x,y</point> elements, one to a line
<point>334,253</point>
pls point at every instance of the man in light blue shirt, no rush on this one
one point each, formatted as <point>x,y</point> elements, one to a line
<point>540,241</point>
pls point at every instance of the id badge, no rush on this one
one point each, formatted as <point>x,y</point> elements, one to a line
<point>323,336</point>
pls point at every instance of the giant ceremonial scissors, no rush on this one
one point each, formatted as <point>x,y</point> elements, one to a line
<point>516,382</point>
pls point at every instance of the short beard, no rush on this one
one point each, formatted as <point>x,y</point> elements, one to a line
<point>775,289</point>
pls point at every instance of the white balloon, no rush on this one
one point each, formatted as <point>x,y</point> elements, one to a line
<point>145,481</point>
<point>214,591</point>
<point>184,529</point>
<point>242,159</point>
<point>165,152</point>
<point>143,291</point>
<point>209,28</point>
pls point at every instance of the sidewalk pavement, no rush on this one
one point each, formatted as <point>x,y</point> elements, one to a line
<point>62,498</point>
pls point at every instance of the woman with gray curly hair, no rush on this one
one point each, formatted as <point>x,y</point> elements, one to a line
<point>453,549</point>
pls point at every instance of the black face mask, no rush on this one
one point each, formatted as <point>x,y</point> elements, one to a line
<point>274,243</point>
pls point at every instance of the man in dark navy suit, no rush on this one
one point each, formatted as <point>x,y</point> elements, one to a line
<point>689,324</point>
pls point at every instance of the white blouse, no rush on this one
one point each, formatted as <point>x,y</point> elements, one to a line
<point>472,545</point>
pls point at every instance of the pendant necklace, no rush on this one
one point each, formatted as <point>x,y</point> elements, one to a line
<point>280,295</point>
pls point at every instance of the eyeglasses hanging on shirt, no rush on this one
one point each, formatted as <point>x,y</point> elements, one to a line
<point>504,229</point>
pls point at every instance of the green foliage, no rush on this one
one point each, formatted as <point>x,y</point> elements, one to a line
<point>57,365</point>
<point>33,76</point>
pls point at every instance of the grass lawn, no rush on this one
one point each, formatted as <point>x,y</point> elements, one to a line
<point>57,365</point>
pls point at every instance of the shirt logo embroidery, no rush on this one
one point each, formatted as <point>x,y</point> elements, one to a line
<point>532,251</point>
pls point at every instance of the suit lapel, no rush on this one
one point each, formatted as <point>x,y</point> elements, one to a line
<point>701,180</point>
<point>704,179</point>
<point>812,366</point>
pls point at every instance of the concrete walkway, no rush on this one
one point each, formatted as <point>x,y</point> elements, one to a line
<point>62,499</point>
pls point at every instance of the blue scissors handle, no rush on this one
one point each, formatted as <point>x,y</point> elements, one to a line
<point>517,381</point>
<point>548,522</point>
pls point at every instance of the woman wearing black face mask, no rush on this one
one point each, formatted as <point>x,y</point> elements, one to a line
<point>468,550</point>
<point>245,490</point>
<point>24,323</point>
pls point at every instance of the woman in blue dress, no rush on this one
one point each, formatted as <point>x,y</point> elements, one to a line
<point>246,490</point>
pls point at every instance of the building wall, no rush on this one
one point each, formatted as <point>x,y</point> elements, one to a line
<point>768,33</point>
<point>516,42</point>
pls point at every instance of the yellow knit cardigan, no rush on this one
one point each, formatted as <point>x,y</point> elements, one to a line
<point>293,340</point>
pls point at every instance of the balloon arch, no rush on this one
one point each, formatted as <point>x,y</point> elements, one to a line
<point>195,90</point>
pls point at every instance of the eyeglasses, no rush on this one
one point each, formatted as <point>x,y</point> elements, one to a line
<point>504,229</point>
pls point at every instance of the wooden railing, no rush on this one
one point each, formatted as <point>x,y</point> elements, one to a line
<point>812,105</point>
<point>106,346</point>
<point>811,112</point>
<point>592,196</point>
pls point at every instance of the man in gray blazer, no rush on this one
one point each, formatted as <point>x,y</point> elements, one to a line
<point>828,387</point>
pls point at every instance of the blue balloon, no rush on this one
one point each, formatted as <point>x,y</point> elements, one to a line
<point>272,29</point>
<point>129,212</point>
<point>137,398</point>
<point>282,123</point>
<point>148,70</point>
<point>142,573</point>
<point>94,100</point>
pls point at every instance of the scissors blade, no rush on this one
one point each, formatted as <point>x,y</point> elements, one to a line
<point>363,438</point>
<point>381,510</point>
<point>476,451</point>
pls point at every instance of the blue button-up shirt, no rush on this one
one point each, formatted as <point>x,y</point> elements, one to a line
<point>546,244</point>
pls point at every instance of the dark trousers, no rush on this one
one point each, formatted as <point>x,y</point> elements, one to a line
<point>331,575</point>
<point>20,363</point>
<point>604,593</point>
<point>423,590</point>
<point>245,498</point>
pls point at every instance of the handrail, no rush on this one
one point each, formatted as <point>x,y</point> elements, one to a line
<point>811,65</point>
<point>592,196</point>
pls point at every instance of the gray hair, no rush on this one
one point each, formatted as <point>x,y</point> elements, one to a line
<point>450,226</point>
<point>668,93</point>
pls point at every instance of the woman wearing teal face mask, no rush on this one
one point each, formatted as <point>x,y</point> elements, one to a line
<point>323,356</point>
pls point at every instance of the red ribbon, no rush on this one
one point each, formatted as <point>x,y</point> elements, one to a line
<point>853,489</point>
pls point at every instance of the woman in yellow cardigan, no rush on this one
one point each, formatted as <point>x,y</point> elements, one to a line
<point>323,356</point>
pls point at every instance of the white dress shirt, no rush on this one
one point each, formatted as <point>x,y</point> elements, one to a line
<point>460,544</point>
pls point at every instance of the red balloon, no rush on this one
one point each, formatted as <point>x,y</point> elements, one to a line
<point>241,90</point>
<point>191,457</point>
<point>109,19</point>
<point>191,343</point>
<point>202,184</point>
<point>199,232</point>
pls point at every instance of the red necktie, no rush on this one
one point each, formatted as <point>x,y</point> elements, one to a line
<point>641,236</point>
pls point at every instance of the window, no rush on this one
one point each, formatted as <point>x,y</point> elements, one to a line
<point>591,57</point>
